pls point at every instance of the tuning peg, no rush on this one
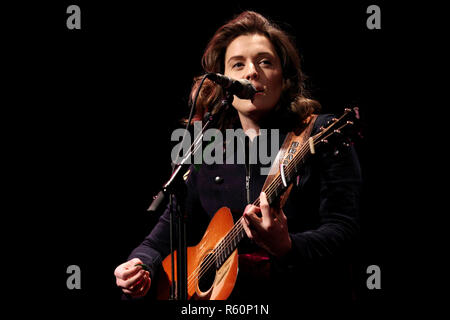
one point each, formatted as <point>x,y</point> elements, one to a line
<point>337,131</point>
<point>324,141</point>
<point>350,123</point>
<point>346,144</point>
<point>332,121</point>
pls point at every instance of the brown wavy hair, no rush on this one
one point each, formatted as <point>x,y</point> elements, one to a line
<point>294,105</point>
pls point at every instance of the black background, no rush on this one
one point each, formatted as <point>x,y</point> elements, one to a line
<point>92,111</point>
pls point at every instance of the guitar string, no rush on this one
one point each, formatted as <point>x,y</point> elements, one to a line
<point>290,168</point>
<point>203,268</point>
<point>237,228</point>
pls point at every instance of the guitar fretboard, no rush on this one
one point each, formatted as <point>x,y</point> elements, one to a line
<point>229,243</point>
<point>295,158</point>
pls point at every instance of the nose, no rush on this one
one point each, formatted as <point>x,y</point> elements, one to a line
<point>251,72</point>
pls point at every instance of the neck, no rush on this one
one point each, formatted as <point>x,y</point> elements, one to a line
<point>250,126</point>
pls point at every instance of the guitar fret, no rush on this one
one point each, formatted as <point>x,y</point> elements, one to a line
<point>217,258</point>
<point>297,155</point>
<point>227,246</point>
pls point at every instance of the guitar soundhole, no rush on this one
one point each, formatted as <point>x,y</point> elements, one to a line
<point>207,273</point>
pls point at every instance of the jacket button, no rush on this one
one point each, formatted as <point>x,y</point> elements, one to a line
<point>218,179</point>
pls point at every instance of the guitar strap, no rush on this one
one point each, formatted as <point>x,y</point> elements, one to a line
<point>293,140</point>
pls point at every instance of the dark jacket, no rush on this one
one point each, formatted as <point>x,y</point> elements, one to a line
<point>322,213</point>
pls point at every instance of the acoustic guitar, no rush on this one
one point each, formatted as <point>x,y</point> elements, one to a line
<point>212,265</point>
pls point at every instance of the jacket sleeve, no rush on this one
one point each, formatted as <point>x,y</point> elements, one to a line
<point>156,246</point>
<point>337,180</point>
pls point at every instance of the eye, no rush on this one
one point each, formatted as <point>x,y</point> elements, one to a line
<point>266,62</point>
<point>238,65</point>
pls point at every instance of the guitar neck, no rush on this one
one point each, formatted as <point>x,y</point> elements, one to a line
<point>291,164</point>
<point>229,243</point>
<point>273,191</point>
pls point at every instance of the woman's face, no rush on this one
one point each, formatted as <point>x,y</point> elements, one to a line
<point>254,58</point>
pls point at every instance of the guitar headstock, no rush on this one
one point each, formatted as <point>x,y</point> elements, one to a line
<point>338,132</point>
<point>335,133</point>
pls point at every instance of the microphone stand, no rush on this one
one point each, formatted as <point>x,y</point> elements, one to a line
<point>175,188</point>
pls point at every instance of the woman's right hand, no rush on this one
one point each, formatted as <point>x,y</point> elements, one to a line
<point>133,280</point>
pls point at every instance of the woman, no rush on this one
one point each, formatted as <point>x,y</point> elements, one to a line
<point>299,250</point>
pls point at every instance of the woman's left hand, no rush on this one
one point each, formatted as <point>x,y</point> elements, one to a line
<point>270,230</point>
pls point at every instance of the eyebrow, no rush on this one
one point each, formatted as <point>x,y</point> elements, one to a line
<point>235,58</point>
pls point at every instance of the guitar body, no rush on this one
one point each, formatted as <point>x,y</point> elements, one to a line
<point>213,284</point>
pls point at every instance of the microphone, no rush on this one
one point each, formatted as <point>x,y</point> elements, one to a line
<point>241,88</point>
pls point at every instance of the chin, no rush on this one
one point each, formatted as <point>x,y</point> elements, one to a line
<point>251,107</point>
